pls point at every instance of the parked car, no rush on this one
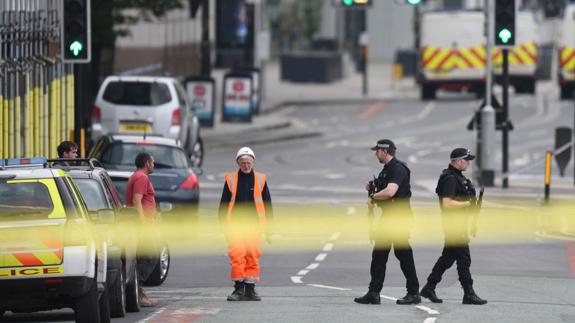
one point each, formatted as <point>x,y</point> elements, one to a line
<point>175,180</point>
<point>99,193</point>
<point>146,104</point>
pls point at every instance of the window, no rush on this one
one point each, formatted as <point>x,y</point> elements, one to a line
<point>137,93</point>
<point>92,193</point>
<point>24,201</point>
<point>164,156</point>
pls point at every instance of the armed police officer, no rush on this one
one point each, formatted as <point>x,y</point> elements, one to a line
<point>457,199</point>
<point>393,228</point>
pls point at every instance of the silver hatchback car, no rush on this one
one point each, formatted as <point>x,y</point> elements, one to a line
<point>147,104</point>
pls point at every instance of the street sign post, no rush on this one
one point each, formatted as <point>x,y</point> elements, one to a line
<point>201,93</point>
<point>237,98</point>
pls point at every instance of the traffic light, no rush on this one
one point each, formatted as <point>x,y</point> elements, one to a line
<point>413,2</point>
<point>352,3</point>
<point>76,32</point>
<point>505,22</point>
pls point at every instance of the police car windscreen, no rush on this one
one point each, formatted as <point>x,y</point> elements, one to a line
<point>137,93</point>
<point>164,156</point>
<point>24,201</point>
<point>92,193</point>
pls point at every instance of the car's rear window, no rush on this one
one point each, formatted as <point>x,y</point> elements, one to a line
<point>24,201</point>
<point>164,156</point>
<point>137,93</point>
<point>92,193</point>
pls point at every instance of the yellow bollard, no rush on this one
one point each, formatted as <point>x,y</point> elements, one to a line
<point>5,106</point>
<point>70,101</point>
<point>1,127</point>
<point>83,143</point>
<point>53,117</point>
<point>397,72</point>
<point>11,128</point>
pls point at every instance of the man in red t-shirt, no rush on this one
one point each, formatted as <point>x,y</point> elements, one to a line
<point>140,194</point>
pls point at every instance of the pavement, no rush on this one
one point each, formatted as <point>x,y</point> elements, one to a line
<point>280,95</point>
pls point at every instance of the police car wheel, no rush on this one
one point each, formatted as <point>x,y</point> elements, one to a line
<point>118,296</point>
<point>197,154</point>
<point>104,304</point>
<point>132,299</point>
<point>86,307</point>
<point>160,273</point>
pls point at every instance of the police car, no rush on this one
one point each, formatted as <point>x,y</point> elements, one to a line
<point>50,254</point>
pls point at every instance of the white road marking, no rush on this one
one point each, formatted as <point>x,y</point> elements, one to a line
<point>296,280</point>
<point>335,236</point>
<point>426,111</point>
<point>388,297</point>
<point>430,320</point>
<point>328,247</point>
<point>303,272</point>
<point>351,210</point>
<point>312,266</point>
<point>428,310</point>
<point>412,159</point>
<point>321,257</point>
<point>328,287</point>
<point>156,313</point>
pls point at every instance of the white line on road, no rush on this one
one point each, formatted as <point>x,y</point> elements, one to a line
<point>328,247</point>
<point>429,311</point>
<point>351,210</point>
<point>296,280</point>
<point>312,266</point>
<point>303,272</point>
<point>388,297</point>
<point>328,287</point>
<point>426,111</point>
<point>156,313</point>
<point>430,320</point>
<point>335,236</point>
<point>321,256</point>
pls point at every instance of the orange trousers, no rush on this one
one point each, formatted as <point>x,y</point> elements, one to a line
<point>244,253</point>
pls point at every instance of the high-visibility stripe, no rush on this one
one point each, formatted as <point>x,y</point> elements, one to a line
<point>465,57</point>
<point>567,58</point>
<point>440,57</point>
<point>429,54</point>
<point>259,184</point>
<point>27,259</point>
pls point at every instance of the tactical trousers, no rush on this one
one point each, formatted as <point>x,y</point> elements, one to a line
<point>451,254</point>
<point>379,258</point>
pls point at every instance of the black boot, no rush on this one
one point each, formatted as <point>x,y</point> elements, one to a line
<point>251,294</point>
<point>369,298</point>
<point>469,297</point>
<point>429,292</point>
<point>239,292</point>
<point>409,299</point>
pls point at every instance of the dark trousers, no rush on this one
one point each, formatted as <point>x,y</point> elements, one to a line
<point>451,254</point>
<point>379,261</point>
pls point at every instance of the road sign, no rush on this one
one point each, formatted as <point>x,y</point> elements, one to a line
<point>201,94</point>
<point>237,97</point>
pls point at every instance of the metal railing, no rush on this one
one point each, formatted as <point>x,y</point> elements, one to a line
<point>36,88</point>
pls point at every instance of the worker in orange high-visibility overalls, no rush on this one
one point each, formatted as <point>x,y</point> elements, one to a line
<point>245,214</point>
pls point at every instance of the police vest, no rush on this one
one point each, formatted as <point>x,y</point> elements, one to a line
<point>465,190</point>
<point>259,184</point>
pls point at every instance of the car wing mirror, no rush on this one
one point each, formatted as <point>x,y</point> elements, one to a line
<point>128,214</point>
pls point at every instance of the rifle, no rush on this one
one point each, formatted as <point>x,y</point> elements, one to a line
<point>374,187</point>
<point>476,211</point>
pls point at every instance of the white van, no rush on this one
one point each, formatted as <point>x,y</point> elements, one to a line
<point>147,104</point>
<point>566,59</point>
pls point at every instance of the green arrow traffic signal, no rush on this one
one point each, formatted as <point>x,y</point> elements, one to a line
<point>347,2</point>
<point>76,47</point>
<point>505,35</point>
<point>414,2</point>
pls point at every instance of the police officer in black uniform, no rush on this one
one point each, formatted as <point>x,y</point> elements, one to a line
<point>457,201</point>
<point>394,226</point>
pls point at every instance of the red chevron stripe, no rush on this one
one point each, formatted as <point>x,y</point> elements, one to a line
<point>512,53</point>
<point>435,52</point>
<point>565,61</point>
<point>477,55</point>
<point>465,59</point>
<point>27,259</point>
<point>445,59</point>
<point>526,50</point>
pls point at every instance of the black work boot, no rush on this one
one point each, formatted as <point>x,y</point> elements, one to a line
<point>250,294</point>
<point>469,297</point>
<point>429,292</point>
<point>368,298</point>
<point>239,292</point>
<point>409,299</point>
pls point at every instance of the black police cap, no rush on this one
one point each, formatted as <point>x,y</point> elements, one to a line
<point>384,144</point>
<point>461,153</point>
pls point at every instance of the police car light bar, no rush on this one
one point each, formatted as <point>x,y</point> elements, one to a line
<point>22,162</point>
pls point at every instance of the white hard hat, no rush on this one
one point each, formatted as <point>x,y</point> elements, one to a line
<point>245,151</point>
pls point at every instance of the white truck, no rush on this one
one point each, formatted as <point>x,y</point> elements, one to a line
<point>566,58</point>
<point>454,55</point>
